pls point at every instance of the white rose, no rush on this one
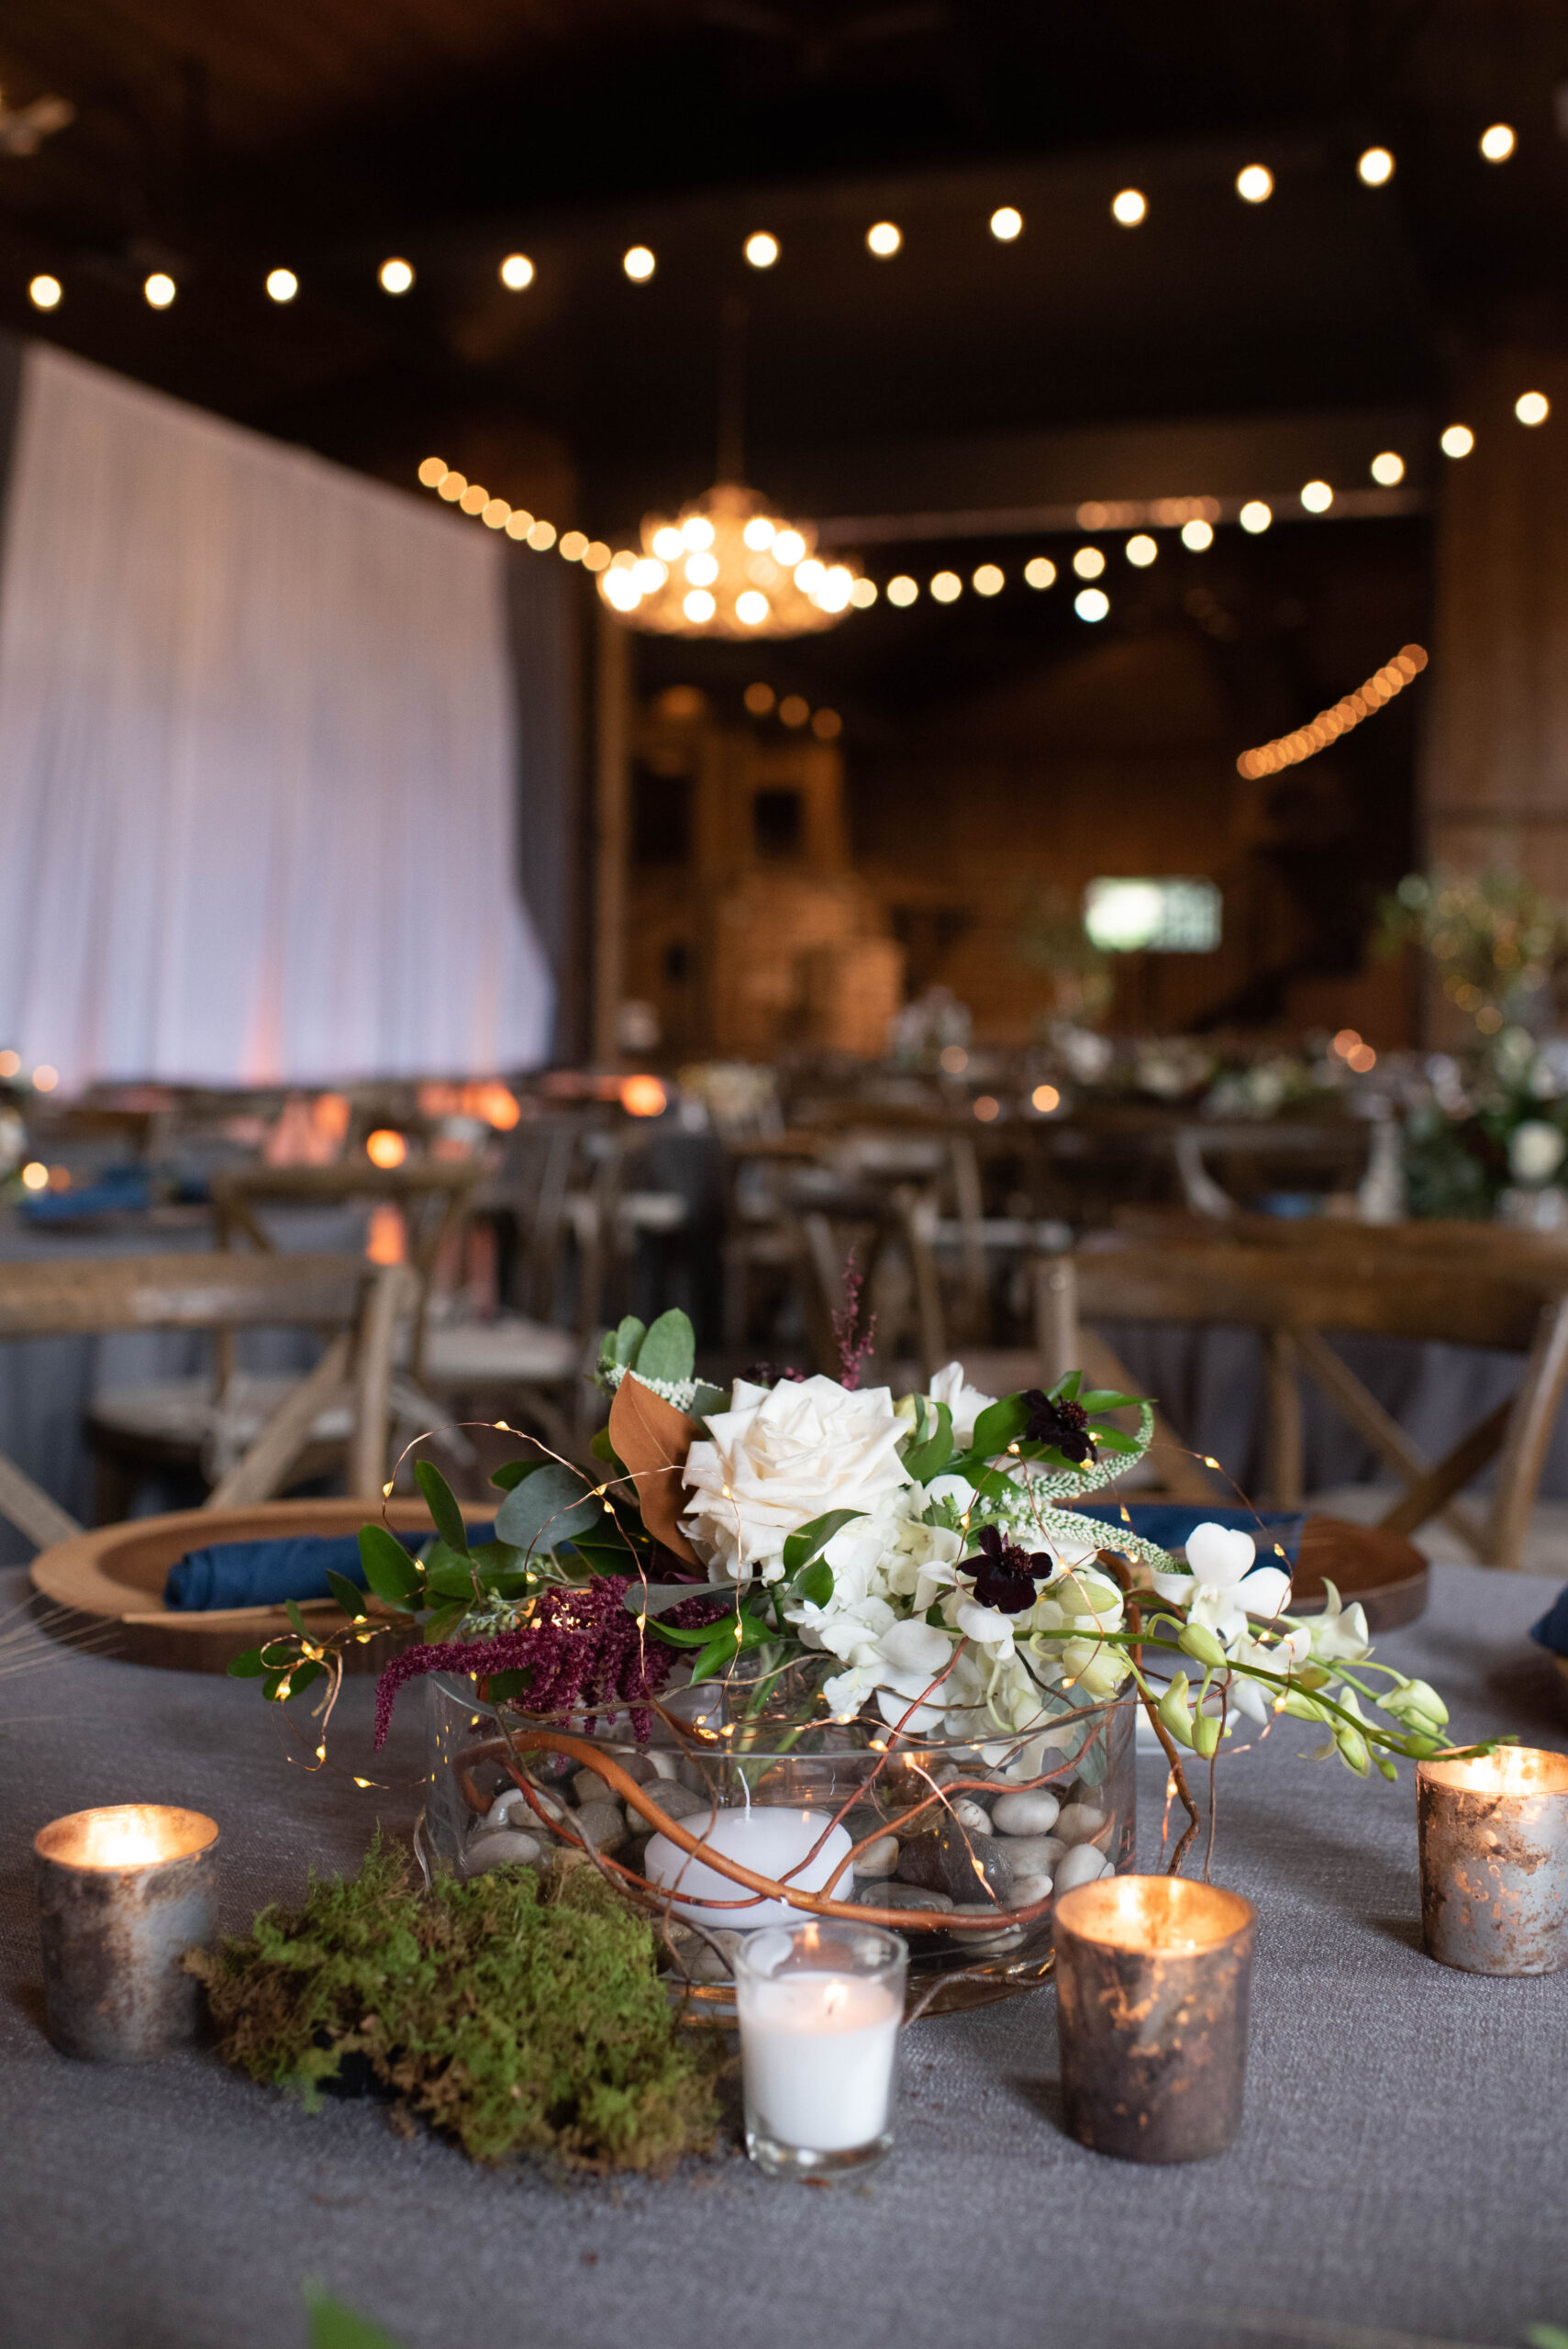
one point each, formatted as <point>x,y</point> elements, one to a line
<point>780,1457</point>
<point>1536,1151</point>
<point>964,1401</point>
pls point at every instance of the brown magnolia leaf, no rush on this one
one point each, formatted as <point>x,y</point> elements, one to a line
<point>652,1438</point>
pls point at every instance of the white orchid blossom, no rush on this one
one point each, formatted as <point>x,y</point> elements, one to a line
<point>1340,1633</point>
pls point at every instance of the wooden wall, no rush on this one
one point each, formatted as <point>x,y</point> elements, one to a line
<point>1494,777</point>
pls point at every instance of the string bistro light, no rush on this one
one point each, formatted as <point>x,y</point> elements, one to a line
<point>1255,184</point>
<point>947,587</point>
<point>1289,750</point>
<point>1197,535</point>
<point>989,580</point>
<point>762,250</point>
<point>1088,563</point>
<point>1316,496</point>
<point>1497,142</point>
<point>639,263</point>
<point>904,591</point>
<point>1039,572</point>
<point>1090,604</point>
<point>883,238</point>
<point>281,285</point>
<point>159,290</point>
<point>1533,408</point>
<point>516,270</point>
<point>1458,440</point>
<point>396,276</point>
<point>1129,207</point>
<point>1007,222</point>
<point>44,292</point>
<point>1388,468</point>
<point>1375,167</point>
<point>1141,550</point>
<point>1255,515</point>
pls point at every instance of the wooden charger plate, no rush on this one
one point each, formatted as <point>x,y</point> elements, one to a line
<point>114,1576</point>
<point>1386,1574</point>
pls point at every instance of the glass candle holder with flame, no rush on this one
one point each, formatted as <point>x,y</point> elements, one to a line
<point>1154,1982</point>
<point>1494,1843</point>
<point>123,1893</point>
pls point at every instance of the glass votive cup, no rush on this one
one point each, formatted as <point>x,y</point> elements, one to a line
<point>821,2007</point>
<point>123,1893</point>
<point>1153,1977</point>
<point>1494,1843</point>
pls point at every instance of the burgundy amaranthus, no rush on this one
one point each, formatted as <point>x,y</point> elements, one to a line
<point>584,1647</point>
<point>854,1329</point>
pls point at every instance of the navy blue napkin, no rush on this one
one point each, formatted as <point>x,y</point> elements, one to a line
<point>1552,1632</point>
<point>1168,1523</point>
<point>265,1572</point>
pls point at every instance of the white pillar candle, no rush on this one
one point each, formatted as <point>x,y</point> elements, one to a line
<point>768,1839</point>
<point>818,2052</point>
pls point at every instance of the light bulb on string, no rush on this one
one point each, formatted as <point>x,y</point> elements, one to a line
<point>396,276</point>
<point>883,238</point>
<point>1374,167</point>
<point>762,250</point>
<point>1255,184</point>
<point>517,272</point>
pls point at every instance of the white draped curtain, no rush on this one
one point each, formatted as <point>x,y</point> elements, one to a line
<point>257,760</point>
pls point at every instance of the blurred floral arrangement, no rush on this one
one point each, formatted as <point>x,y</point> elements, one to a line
<point>1489,1136</point>
<point>1500,944</point>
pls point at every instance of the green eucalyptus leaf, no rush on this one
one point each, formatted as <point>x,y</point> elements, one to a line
<point>929,1455</point>
<point>669,1351</point>
<point>1068,1389</point>
<point>690,1635</point>
<point>511,1473</point>
<point>654,1597</point>
<point>446,1619</point>
<point>495,1560</point>
<point>606,1557</point>
<point>1103,1399</point>
<point>292,1610</point>
<point>349,1595</point>
<point>715,1655</point>
<point>390,1572</point>
<point>804,1544</point>
<point>248,1666</point>
<point>441,1503</point>
<point>1112,1439</point>
<point>623,1344</point>
<point>815,1584</point>
<point>708,1400</point>
<point>449,1574</point>
<point>335,2326</point>
<point>304,1674</point>
<point>999,1425</point>
<point>552,1507</point>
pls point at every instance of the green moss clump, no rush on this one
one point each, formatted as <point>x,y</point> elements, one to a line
<point>517,2024</point>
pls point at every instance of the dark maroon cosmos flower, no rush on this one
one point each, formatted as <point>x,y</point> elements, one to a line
<point>1056,1420</point>
<point>1006,1575</point>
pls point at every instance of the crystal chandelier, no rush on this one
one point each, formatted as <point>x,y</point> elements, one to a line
<point>727,566</point>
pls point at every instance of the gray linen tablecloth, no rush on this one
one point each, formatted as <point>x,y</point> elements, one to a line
<point>1400,2177</point>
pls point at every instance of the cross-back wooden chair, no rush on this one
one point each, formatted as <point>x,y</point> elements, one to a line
<point>339,1408</point>
<point>1356,1280</point>
<point>431,1194</point>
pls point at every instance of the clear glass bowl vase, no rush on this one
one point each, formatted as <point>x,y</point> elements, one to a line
<point>940,1829</point>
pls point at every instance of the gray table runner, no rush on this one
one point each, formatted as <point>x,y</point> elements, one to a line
<point>1401,2175</point>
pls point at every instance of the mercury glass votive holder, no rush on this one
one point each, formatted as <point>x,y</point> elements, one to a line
<point>123,1893</point>
<point>1153,1979</point>
<point>819,2008</point>
<point>1494,1840</point>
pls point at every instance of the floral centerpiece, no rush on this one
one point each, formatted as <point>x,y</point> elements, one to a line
<point>887,1614</point>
